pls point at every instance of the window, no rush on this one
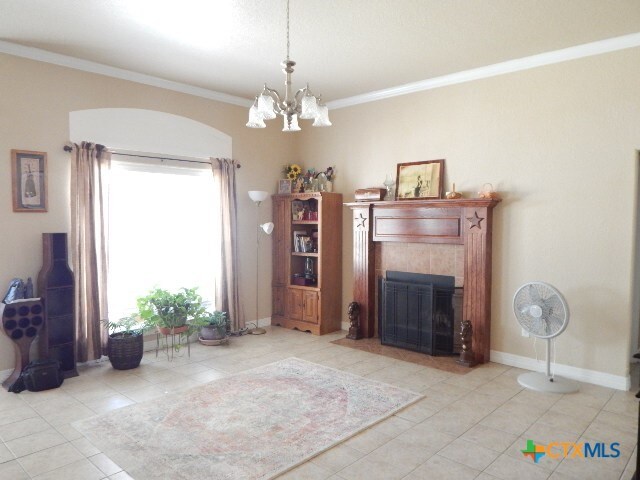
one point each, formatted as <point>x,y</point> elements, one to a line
<point>162,231</point>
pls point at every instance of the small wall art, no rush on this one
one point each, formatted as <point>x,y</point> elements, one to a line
<point>29,181</point>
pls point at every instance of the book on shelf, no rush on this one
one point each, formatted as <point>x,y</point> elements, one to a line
<point>297,245</point>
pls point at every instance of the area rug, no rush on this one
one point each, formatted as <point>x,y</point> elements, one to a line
<point>373,345</point>
<point>255,424</point>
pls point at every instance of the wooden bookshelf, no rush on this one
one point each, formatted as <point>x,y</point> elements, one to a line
<point>307,262</point>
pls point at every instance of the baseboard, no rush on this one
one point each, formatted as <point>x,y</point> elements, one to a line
<point>264,322</point>
<point>581,374</point>
<point>4,374</point>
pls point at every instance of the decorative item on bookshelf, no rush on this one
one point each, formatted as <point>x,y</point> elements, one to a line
<point>297,210</point>
<point>291,171</point>
<point>284,186</point>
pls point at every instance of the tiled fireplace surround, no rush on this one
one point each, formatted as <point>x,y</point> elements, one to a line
<point>418,258</point>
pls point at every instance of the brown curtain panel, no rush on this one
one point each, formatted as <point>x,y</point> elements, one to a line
<point>90,165</point>
<point>227,296</point>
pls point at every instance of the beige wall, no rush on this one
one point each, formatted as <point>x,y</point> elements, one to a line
<point>560,143</point>
<point>35,103</point>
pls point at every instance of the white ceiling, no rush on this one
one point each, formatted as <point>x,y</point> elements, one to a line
<point>343,48</point>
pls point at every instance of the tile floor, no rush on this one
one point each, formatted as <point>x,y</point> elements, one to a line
<point>468,426</point>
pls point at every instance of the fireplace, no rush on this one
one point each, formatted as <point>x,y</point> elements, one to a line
<point>416,312</point>
<point>465,222</point>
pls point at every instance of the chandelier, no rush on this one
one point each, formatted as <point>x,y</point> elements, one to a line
<point>304,104</point>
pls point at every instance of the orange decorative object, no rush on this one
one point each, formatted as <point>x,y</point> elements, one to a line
<point>488,192</point>
<point>452,195</point>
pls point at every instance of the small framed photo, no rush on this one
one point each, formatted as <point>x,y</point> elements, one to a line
<point>420,180</point>
<point>284,186</point>
<point>29,181</point>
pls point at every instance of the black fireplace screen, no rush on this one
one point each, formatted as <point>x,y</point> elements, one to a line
<point>416,312</point>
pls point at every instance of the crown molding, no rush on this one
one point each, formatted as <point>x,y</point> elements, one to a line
<point>93,67</point>
<point>525,63</point>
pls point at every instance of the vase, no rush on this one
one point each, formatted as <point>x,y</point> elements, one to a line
<point>328,186</point>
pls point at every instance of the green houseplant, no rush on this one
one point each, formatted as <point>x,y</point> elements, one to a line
<point>213,326</point>
<point>171,313</point>
<point>125,344</point>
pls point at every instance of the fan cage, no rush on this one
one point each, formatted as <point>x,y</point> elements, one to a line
<point>554,309</point>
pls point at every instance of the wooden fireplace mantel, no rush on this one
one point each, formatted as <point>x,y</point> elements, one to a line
<point>465,222</point>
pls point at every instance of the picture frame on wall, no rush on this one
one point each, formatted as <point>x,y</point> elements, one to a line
<point>29,181</point>
<point>420,180</point>
<point>284,186</point>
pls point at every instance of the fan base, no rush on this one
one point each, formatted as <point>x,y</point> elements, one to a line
<point>541,383</point>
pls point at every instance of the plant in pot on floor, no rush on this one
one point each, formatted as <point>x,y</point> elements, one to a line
<point>213,328</point>
<point>172,313</point>
<point>125,344</point>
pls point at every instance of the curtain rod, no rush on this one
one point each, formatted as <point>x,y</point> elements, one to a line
<point>68,149</point>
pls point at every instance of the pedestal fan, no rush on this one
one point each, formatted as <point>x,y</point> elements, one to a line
<point>543,312</point>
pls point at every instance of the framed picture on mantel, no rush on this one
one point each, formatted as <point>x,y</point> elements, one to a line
<point>420,180</point>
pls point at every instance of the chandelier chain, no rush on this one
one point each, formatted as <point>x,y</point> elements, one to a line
<point>287,29</point>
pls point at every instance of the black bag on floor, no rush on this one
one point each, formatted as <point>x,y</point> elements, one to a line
<point>42,375</point>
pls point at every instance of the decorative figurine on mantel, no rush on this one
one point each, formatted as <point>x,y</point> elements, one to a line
<point>488,193</point>
<point>452,195</point>
<point>467,357</point>
<point>354,319</point>
<point>389,183</point>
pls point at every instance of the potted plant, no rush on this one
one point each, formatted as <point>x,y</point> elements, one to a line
<point>213,326</point>
<point>171,313</point>
<point>125,344</point>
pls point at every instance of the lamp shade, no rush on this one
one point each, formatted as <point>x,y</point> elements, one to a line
<point>267,227</point>
<point>265,107</point>
<point>293,126</point>
<point>309,106</point>
<point>255,118</point>
<point>258,195</point>
<point>322,120</point>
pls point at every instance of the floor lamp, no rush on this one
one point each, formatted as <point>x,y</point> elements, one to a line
<point>258,197</point>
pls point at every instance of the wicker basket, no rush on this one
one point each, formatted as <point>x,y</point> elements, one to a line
<point>125,352</point>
